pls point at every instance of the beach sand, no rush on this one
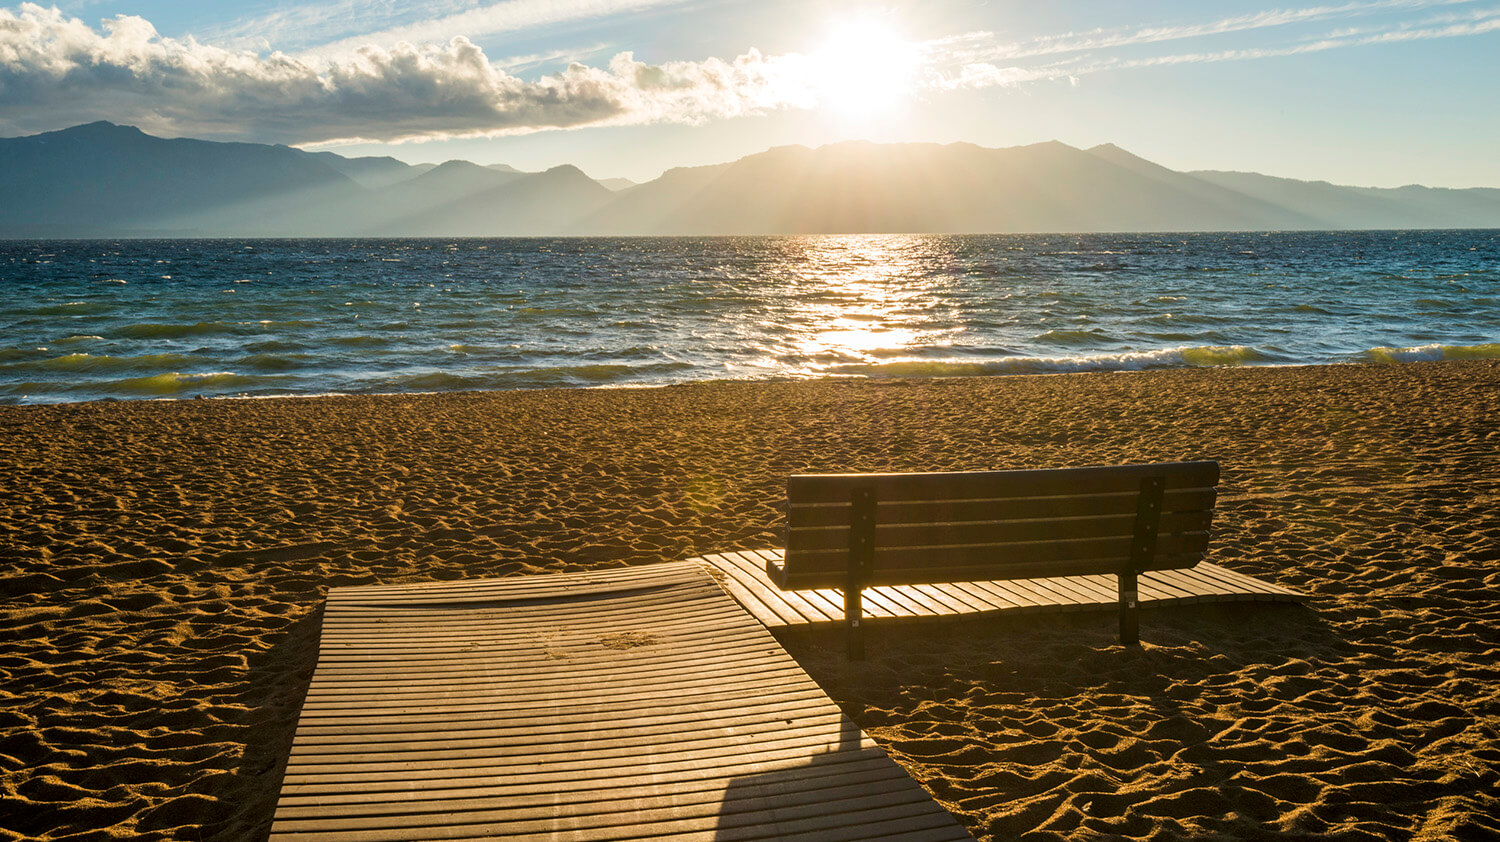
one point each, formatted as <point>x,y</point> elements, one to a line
<point>162,566</point>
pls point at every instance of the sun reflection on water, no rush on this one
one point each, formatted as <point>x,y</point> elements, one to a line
<point>864,298</point>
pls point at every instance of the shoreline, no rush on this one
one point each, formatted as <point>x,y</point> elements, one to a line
<point>164,561</point>
<point>1465,353</point>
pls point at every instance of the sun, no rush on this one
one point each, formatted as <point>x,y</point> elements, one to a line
<point>864,67</point>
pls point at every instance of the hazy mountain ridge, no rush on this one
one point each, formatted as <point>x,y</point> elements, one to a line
<point>102,180</point>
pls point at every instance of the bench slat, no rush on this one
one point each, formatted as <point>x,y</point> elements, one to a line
<point>801,514</point>
<point>827,568</point>
<point>991,531</point>
<point>802,578</point>
<point>837,488</point>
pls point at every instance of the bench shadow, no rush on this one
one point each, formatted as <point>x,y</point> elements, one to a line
<point>768,798</point>
<point>923,679</point>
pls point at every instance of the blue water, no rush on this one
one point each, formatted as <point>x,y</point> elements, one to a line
<point>83,320</point>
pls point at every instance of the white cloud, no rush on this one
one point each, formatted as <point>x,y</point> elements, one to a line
<point>986,75</point>
<point>1102,39</point>
<point>56,70</point>
<point>975,61</point>
<point>501,17</point>
<point>329,28</point>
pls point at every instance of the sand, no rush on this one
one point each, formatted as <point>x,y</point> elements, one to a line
<point>162,566</point>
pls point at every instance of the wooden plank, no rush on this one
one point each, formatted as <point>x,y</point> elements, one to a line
<point>713,809</point>
<point>878,602</point>
<point>832,488</point>
<point>568,585</point>
<point>473,697</point>
<point>848,765</point>
<point>520,803</point>
<point>975,563</point>
<point>445,774</point>
<point>741,572</point>
<point>828,514</point>
<point>751,566</point>
<point>950,601</point>
<point>1176,586</point>
<point>812,822</point>
<point>692,745</point>
<point>993,596</point>
<point>1231,579</point>
<point>955,553</point>
<point>995,528</point>
<point>376,635</point>
<point>515,612</point>
<point>747,713</point>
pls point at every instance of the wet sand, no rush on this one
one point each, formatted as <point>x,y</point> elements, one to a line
<point>162,566</point>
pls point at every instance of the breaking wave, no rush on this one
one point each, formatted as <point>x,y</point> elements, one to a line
<point>1186,357</point>
<point>1433,352</point>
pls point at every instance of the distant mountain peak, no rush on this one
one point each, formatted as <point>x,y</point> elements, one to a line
<point>457,165</point>
<point>99,128</point>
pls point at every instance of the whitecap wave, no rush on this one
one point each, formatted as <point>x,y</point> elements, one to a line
<point>1433,352</point>
<point>1207,356</point>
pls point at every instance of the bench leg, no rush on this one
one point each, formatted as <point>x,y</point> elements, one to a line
<point>861,560</point>
<point>1130,621</point>
<point>854,636</point>
<point>1142,550</point>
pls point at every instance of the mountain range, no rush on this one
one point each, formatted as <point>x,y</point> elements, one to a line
<point>104,180</point>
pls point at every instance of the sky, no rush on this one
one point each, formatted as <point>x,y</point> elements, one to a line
<point>1378,93</point>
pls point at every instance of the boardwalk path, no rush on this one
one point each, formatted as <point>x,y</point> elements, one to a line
<point>611,705</point>
<point>743,574</point>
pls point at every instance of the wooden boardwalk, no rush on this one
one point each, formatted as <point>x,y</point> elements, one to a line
<point>623,704</point>
<point>743,574</point>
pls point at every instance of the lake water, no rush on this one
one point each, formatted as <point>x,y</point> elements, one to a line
<point>84,320</point>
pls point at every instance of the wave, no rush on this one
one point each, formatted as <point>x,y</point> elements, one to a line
<point>78,339</point>
<point>153,330</point>
<point>72,308</point>
<point>278,362</point>
<point>176,383</point>
<point>1425,353</point>
<point>359,341</point>
<point>1095,336</point>
<point>89,362</point>
<point>1185,357</point>
<point>597,374</point>
<point>542,377</point>
<point>272,346</point>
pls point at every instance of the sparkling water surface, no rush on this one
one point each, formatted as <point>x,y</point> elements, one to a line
<point>84,320</point>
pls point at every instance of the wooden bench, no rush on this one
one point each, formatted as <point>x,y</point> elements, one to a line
<point>853,531</point>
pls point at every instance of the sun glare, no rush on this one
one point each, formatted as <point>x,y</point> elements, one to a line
<point>864,67</point>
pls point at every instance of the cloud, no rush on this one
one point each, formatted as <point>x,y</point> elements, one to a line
<point>509,16</point>
<point>1102,39</point>
<point>985,75</point>
<point>973,64</point>
<point>56,70</point>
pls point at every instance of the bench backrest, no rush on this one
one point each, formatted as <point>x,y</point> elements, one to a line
<point>954,527</point>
